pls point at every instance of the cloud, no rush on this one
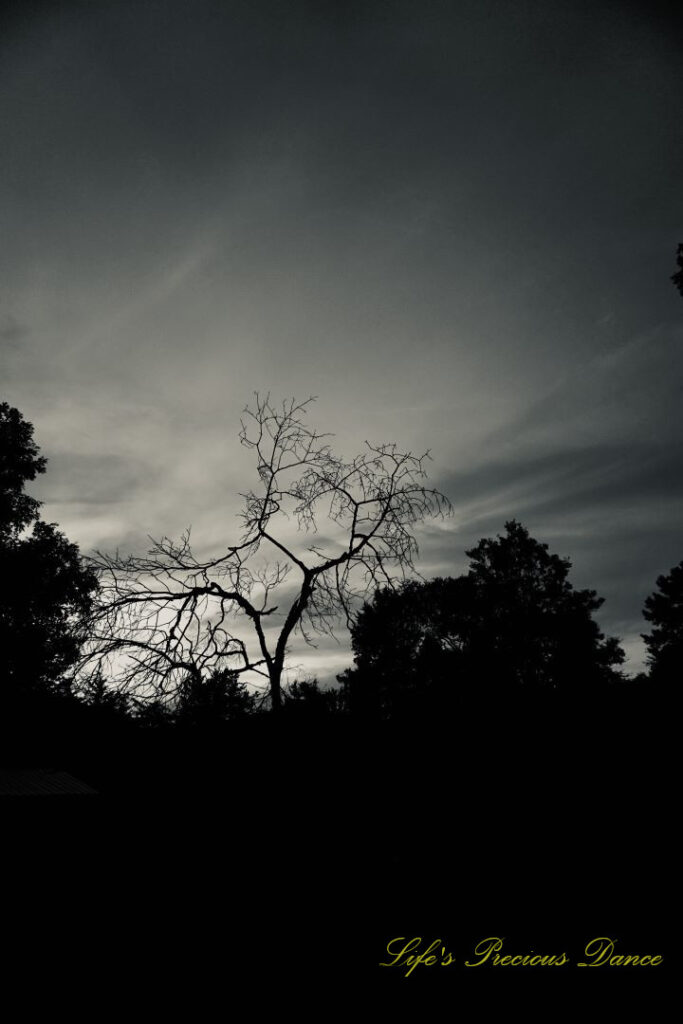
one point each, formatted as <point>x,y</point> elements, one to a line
<point>89,479</point>
<point>12,331</point>
<point>452,225</point>
<point>595,468</point>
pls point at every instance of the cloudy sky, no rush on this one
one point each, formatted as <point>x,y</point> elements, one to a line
<point>454,223</point>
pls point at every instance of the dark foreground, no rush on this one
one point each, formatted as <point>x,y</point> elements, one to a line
<point>286,859</point>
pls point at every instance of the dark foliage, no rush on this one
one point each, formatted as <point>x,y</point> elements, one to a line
<point>677,278</point>
<point>306,700</point>
<point>513,626</point>
<point>46,590</point>
<point>664,610</point>
<point>19,462</point>
<point>407,644</point>
<point>96,693</point>
<point>532,627</point>
<point>209,702</point>
<point>41,612</point>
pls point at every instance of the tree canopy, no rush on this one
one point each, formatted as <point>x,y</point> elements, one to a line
<point>533,627</point>
<point>220,698</point>
<point>19,462</point>
<point>664,610</point>
<point>47,591</point>
<point>513,623</point>
<point>677,278</point>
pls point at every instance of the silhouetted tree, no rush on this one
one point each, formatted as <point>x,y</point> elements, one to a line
<point>677,278</point>
<point>513,624</point>
<point>664,609</point>
<point>534,628</point>
<point>170,614</point>
<point>208,702</point>
<point>19,462</point>
<point>46,590</point>
<point>306,700</point>
<point>94,692</point>
<point>407,644</point>
<point>153,713</point>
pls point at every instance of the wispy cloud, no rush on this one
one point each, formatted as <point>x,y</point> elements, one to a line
<point>455,230</point>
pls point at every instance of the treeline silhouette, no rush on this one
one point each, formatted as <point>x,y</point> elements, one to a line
<point>485,767</point>
<point>485,750</point>
<point>508,648</point>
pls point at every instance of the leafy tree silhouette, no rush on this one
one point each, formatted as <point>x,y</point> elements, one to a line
<point>677,278</point>
<point>306,700</point>
<point>664,609</point>
<point>19,462</point>
<point>47,592</point>
<point>406,643</point>
<point>534,629</point>
<point>514,624</point>
<point>209,702</point>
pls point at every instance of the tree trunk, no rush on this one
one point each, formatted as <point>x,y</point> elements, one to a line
<point>275,688</point>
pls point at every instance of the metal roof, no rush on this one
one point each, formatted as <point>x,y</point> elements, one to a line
<point>41,782</point>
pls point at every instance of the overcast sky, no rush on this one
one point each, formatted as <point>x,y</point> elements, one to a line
<point>455,223</point>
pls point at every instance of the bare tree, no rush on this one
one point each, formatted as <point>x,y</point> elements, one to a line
<point>168,617</point>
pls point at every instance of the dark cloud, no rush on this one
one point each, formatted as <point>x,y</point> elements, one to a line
<point>575,480</point>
